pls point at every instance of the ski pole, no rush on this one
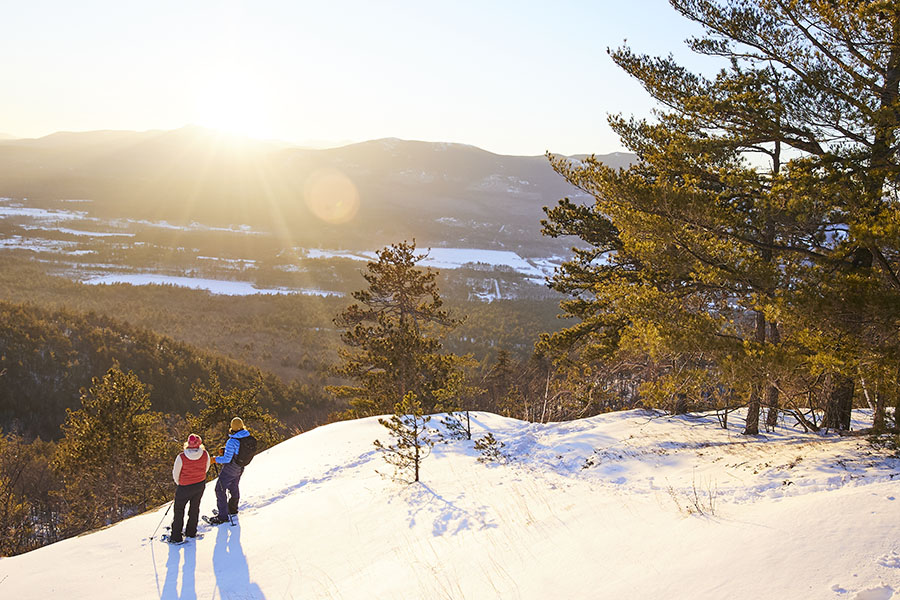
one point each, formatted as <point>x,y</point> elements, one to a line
<point>163,519</point>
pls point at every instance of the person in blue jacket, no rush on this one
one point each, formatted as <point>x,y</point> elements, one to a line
<point>230,475</point>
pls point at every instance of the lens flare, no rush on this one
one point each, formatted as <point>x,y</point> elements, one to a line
<point>331,196</point>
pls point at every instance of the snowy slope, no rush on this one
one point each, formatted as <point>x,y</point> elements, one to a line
<point>625,505</point>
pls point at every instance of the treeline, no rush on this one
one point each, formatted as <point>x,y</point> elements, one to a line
<point>749,258</point>
<point>47,357</point>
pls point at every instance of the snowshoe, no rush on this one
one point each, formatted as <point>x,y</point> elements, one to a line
<point>214,520</point>
<point>168,539</point>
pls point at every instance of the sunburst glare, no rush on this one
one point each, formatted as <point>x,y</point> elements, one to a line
<point>235,106</point>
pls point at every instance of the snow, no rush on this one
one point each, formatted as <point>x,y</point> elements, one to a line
<point>492,293</point>
<point>315,253</point>
<point>193,226</point>
<point>236,263</point>
<point>17,242</point>
<point>81,232</point>
<point>454,258</point>
<point>53,221</point>
<point>214,286</point>
<point>39,214</point>
<point>623,505</point>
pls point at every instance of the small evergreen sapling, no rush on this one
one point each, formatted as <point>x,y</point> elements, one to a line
<point>491,449</point>
<point>458,425</point>
<point>412,444</point>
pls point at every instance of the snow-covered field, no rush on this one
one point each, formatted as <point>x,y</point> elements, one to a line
<point>454,258</point>
<point>34,229</point>
<point>214,286</point>
<point>621,506</point>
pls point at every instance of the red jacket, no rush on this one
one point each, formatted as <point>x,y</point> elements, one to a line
<point>191,466</point>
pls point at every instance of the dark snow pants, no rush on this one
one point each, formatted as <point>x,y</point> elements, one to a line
<point>229,478</point>
<point>185,494</point>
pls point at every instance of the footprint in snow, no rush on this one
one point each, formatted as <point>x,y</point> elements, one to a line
<point>885,592</point>
<point>891,561</point>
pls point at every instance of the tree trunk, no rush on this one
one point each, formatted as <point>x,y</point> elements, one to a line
<point>878,417</point>
<point>839,407</point>
<point>772,392</point>
<point>878,422</point>
<point>771,408</point>
<point>417,460</point>
<point>752,427</point>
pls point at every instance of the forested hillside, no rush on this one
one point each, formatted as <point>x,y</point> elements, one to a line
<point>290,335</point>
<point>47,357</point>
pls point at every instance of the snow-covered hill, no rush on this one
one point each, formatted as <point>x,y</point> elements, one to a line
<point>626,506</point>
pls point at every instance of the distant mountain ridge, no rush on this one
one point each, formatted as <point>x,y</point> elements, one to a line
<point>439,193</point>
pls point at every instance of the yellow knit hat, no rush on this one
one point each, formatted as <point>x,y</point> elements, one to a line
<point>237,424</point>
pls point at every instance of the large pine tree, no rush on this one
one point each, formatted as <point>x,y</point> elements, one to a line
<point>392,338</point>
<point>706,262</point>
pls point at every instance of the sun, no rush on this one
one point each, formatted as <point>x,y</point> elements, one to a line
<point>237,107</point>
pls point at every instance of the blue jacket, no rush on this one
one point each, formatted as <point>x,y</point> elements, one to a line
<point>232,446</point>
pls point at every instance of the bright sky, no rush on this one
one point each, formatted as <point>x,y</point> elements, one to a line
<point>510,76</point>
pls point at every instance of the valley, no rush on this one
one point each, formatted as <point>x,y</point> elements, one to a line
<point>263,291</point>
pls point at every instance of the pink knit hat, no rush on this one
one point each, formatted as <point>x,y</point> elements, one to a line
<point>194,441</point>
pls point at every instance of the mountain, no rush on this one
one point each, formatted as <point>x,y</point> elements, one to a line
<point>380,191</point>
<point>622,505</point>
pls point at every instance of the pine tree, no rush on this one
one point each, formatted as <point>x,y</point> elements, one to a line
<point>839,68</point>
<point>115,457</point>
<point>412,444</point>
<point>699,262</point>
<point>220,406</point>
<point>392,339</point>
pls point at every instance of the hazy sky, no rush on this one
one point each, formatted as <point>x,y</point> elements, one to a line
<point>513,77</point>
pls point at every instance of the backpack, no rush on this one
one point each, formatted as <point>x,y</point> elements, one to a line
<point>245,451</point>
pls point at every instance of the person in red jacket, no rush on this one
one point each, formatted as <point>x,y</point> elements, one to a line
<point>189,473</point>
